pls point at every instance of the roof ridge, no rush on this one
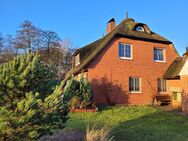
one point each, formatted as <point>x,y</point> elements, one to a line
<point>125,28</point>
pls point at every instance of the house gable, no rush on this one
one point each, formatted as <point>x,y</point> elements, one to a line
<point>184,70</point>
<point>126,29</point>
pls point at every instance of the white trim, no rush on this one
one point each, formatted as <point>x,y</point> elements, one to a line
<point>142,28</point>
<point>77,64</point>
<point>160,61</point>
<point>126,58</point>
<point>164,55</point>
<point>131,48</point>
<point>140,86</point>
<point>135,92</point>
<point>77,57</point>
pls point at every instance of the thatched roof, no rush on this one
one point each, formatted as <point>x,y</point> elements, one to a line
<point>174,69</point>
<point>186,53</point>
<point>127,28</point>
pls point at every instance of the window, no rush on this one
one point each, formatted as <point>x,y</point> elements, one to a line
<point>77,59</point>
<point>125,51</point>
<point>134,84</point>
<point>162,86</point>
<point>159,55</point>
<point>140,28</point>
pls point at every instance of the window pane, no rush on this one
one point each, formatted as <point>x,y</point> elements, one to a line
<point>121,50</point>
<point>139,28</point>
<point>137,85</point>
<point>159,85</point>
<point>131,84</point>
<point>162,86</point>
<point>158,54</point>
<point>128,51</point>
<point>134,84</point>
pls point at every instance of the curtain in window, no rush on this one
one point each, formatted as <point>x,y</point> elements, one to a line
<point>137,84</point>
<point>121,50</point>
<point>128,51</point>
<point>131,84</point>
<point>134,84</point>
<point>162,86</point>
<point>158,54</point>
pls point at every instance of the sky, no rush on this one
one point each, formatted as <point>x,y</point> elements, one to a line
<point>84,21</point>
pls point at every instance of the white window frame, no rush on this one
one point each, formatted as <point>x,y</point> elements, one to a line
<point>162,89</point>
<point>131,53</point>
<point>141,28</point>
<point>140,85</point>
<point>164,54</point>
<point>77,59</point>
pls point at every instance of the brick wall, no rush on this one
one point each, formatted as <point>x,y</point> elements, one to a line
<point>109,75</point>
<point>174,86</point>
<point>184,83</point>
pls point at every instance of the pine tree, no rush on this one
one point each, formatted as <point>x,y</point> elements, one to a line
<point>85,90</point>
<point>78,93</point>
<point>30,105</point>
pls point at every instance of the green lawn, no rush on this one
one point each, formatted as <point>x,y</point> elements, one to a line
<point>135,123</point>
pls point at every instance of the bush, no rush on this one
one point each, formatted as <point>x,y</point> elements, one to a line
<point>74,102</point>
<point>29,105</point>
<point>102,134</point>
<point>92,134</point>
<point>71,89</point>
<point>78,93</point>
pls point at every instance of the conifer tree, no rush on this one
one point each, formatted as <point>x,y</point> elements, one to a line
<point>30,105</point>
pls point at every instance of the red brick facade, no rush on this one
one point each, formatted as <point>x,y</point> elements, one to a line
<point>109,75</point>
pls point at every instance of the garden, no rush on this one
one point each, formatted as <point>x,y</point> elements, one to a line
<point>34,105</point>
<point>134,123</point>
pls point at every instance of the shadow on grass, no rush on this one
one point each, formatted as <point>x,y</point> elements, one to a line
<point>165,126</point>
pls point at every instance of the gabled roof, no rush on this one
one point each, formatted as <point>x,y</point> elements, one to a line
<point>174,69</point>
<point>126,29</point>
<point>85,51</point>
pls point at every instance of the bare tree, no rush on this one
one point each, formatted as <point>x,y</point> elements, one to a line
<point>58,58</point>
<point>50,39</point>
<point>26,36</point>
<point>1,42</point>
<point>55,52</point>
<point>8,50</point>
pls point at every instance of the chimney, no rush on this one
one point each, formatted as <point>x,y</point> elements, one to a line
<point>186,53</point>
<point>110,25</point>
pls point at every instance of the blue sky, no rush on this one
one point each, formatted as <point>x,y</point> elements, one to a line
<point>83,21</point>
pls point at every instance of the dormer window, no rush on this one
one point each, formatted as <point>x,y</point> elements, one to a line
<point>77,59</point>
<point>140,28</point>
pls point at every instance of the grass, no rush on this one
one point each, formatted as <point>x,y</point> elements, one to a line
<point>135,123</point>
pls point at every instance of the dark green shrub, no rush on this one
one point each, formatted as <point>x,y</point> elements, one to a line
<point>74,102</point>
<point>71,89</point>
<point>29,105</point>
<point>80,90</point>
<point>85,90</point>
